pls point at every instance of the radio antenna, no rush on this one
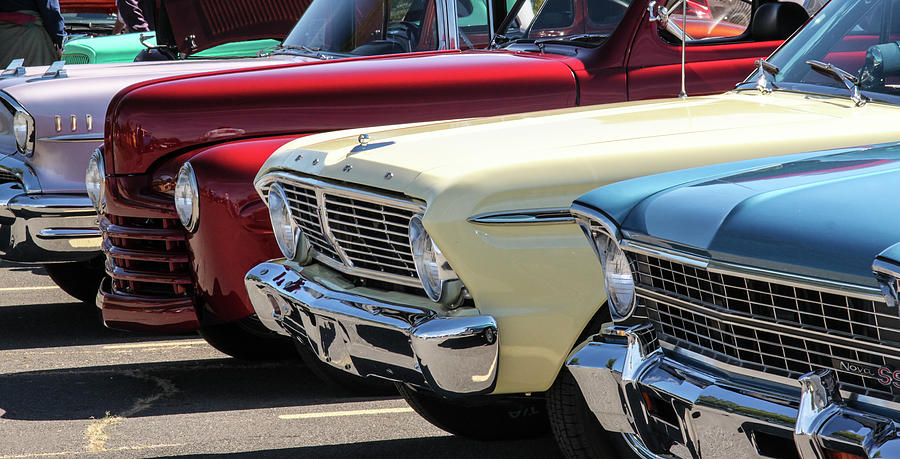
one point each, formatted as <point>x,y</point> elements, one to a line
<point>683,93</point>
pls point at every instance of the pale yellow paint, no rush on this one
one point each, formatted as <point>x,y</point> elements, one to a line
<point>334,414</point>
<point>187,342</point>
<point>543,283</point>
<point>28,289</point>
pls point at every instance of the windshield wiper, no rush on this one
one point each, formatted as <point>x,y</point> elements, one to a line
<point>572,38</point>
<point>307,51</point>
<point>841,76</point>
<point>763,84</point>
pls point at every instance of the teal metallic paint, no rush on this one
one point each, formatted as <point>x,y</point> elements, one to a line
<point>825,215</point>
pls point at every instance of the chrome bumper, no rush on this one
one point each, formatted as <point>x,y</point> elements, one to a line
<point>670,407</point>
<point>46,228</point>
<point>449,355</point>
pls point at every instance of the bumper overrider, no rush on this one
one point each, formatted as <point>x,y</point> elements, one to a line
<point>452,356</point>
<point>664,404</point>
<point>41,227</point>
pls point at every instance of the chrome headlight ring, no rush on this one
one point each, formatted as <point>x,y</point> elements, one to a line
<point>95,181</point>
<point>618,274</point>
<point>440,281</point>
<point>23,128</point>
<point>187,197</point>
<point>290,238</point>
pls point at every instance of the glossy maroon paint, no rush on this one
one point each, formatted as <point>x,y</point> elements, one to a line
<point>88,6</point>
<point>154,127</point>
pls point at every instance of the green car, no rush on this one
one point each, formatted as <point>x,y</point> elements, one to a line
<point>126,47</point>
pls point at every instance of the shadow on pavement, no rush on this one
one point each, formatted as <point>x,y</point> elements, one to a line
<point>196,386</point>
<point>21,267</point>
<point>430,447</point>
<point>62,324</point>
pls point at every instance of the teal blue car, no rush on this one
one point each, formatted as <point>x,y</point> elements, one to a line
<point>753,309</point>
<point>126,47</point>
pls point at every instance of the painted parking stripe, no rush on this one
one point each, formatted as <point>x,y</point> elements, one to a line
<point>189,342</point>
<point>27,289</point>
<point>333,414</point>
<point>76,453</point>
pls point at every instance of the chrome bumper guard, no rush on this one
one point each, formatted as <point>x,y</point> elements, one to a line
<point>46,228</point>
<point>450,355</point>
<point>666,407</point>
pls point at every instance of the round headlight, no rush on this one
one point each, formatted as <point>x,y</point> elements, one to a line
<point>431,266</point>
<point>23,127</point>
<point>287,233</point>
<point>95,181</point>
<point>187,197</point>
<point>618,276</point>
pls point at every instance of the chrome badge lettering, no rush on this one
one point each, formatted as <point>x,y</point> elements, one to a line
<point>884,375</point>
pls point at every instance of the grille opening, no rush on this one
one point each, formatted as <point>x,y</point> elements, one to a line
<point>152,289</point>
<point>774,446</point>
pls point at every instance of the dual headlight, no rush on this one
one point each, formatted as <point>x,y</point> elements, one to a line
<point>617,273</point>
<point>95,181</point>
<point>23,128</point>
<point>187,197</point>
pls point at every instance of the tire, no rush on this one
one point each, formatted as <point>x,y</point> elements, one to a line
<point>336,377</point>
<point>80,279</point>
<point>495,418</point>
<point>247,339</point>
<point>577,431</point>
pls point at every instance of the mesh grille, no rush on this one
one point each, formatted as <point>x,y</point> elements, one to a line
<point>76,59</point>
<point>764,348</point>
<point>372,234</point>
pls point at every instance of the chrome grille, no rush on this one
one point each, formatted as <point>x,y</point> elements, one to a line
<point>7,176</point>
<point>355,231</point>
<point>691,302</point>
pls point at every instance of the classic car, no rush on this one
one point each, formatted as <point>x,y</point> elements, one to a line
<point>88,17</point>
<point>196,30</point>
<point>52,119</point>
<point>754,309</point>
<point>562,55</point>
<point>444,256</point>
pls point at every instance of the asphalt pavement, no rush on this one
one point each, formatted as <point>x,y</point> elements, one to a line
<point>71,387</point>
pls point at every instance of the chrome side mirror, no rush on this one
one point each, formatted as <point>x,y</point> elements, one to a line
<point>658,13</point>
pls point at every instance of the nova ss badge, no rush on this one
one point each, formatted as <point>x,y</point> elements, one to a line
<point>885,376</point>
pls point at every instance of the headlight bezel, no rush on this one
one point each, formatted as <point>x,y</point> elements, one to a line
<point>24,141</point>
<point>280,213</point>
<point>96,190</point>
<point>602,235</point>
<point>440,281</point>
<point>186,187</point>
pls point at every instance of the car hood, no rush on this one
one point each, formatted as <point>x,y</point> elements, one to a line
<point>196,25</point>
<point>424,158</point>
<point>87,89</point>
<point>88,6</point>
<point>826,216</point>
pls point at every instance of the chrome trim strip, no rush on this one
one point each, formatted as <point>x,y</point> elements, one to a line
<point>760,274</point>
<point>12,102</point>
<point>448,26</point>
<point>525,217</point>
<point>23,172</point>
<point>321,188</point>
<point>637,446</point>
<point>886,267</point>
<point>73,138</point>
<point>56,233</point>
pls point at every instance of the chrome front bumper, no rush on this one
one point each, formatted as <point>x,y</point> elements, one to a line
<point>46,228</point>
<point>669,406</point>
<point>449,355</point>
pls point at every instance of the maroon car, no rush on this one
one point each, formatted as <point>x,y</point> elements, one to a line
<point>380,62</point>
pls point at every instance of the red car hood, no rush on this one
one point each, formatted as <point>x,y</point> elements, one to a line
<point>87,6</point>
<point>192,26</point>
<point>152,120</point>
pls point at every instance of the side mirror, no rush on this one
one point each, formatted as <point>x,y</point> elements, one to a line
<point>658,13</point>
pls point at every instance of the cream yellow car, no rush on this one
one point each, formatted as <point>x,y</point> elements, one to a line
<point>443,255</point>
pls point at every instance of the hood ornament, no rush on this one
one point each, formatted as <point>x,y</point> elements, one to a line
<point>15,69</point>
<point>56,70</point>
<point>364,139</point>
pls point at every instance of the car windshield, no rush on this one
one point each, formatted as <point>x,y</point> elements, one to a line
<point>565,20</point>
<point>849,45</point>
<point>331,28</point>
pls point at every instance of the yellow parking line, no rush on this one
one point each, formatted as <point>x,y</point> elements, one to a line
<point>25,289</point>
<point>332,414</point>
<point>189,342</point>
